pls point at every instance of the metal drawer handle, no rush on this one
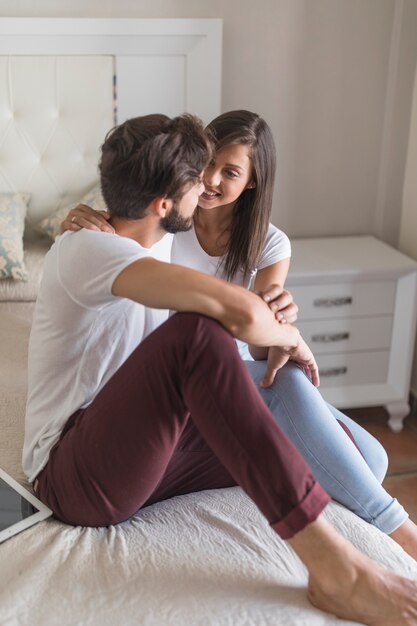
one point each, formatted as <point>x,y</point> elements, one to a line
<point>329,337</point>
<point>334,371</point>
<point>329,302</point>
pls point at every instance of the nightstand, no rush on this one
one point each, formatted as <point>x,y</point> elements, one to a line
<point>357,301</point>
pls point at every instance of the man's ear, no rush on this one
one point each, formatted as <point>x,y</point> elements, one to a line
<point>160,206</point>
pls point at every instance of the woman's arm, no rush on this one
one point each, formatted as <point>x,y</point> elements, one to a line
<point>83,216</point>
<point>269,284</point>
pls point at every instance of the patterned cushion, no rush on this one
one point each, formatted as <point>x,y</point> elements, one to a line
<point>14,291</point>
<point>51,225</point>
<point>13,209</point>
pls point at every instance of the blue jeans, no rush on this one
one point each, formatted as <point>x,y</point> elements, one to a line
<point>310,423</point>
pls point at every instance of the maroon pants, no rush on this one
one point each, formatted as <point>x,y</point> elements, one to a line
<point>180,415</point>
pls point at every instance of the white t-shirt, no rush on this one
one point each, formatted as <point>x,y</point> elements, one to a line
<point>186,250</point>
<point>81,332</point>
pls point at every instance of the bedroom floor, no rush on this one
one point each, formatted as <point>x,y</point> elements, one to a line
<point>401,480</point>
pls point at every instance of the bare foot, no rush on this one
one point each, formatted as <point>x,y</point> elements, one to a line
<point>406,537</point>
<point>346,583</point>
<point>377,598</point>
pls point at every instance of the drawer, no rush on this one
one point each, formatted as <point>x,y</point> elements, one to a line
<point>347,334</point>
<point>344,299</point>
<point>354,368</point>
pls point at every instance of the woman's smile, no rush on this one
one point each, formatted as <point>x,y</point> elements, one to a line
<point>210,194</point>
<point>227,176</point>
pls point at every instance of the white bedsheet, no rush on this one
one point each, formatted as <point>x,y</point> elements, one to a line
<point>206,559</point>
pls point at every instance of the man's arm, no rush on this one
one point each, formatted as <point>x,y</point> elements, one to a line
<point>168,286</point>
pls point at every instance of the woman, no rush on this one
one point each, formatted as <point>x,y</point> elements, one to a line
<point>232,238</point>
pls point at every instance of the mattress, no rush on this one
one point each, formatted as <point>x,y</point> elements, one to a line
<point>206,559</point>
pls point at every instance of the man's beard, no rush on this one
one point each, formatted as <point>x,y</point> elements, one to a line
<point>174,222</point>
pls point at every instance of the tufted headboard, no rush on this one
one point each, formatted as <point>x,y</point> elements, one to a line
<point>54,113</point>
<point>57,79</point>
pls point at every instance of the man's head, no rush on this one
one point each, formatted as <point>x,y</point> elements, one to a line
<point>152,157</point>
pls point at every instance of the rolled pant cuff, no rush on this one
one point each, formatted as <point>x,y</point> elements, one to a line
<point>304,513</point>
<point>391,518</point>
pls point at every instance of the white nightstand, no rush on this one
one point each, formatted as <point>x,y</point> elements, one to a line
<point>357,301</point>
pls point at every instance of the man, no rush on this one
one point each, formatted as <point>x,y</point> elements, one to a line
<point>127,407</point>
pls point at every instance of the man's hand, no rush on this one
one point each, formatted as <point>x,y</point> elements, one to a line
<point>281,303</point>
<point>278,357</point>
<point>83,216</point>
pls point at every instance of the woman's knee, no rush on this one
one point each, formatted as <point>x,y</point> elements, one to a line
<point>292,376</point>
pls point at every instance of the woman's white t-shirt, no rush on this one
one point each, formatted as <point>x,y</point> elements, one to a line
<point>186,250</point>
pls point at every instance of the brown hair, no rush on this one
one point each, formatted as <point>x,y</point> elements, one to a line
<point>252,210</point>
<point>148,157</point>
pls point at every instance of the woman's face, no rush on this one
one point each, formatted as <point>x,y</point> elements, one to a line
<point>227,176</point>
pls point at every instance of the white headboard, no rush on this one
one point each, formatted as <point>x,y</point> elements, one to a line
<point>54,113</point>
<point>56,93</point>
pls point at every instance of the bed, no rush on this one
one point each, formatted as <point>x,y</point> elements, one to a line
<point>207,558</point>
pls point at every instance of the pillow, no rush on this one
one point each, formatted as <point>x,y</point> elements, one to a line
<point>13,207</point>
<point>51,225</point>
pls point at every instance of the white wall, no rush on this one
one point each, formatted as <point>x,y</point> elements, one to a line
<point>408,226</point>
<point>333,78</point>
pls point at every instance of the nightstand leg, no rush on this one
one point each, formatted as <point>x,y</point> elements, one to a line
<point>398,411</point>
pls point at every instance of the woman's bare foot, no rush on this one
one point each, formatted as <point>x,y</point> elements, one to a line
<point>346,583</point>
<point>406,537</point>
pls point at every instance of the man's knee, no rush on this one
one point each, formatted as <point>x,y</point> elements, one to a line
<point>194,326</point>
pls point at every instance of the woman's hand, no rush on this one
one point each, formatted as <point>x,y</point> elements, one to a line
<point>278,357</point>
<point>84,216</point>
<point>281,303</point>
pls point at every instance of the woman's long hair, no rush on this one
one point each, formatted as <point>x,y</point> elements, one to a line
<point>252,210</point>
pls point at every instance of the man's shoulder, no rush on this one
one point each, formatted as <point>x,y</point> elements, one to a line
<point>93,238</point>
<point>94,253</point>
<point>90,245</point>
